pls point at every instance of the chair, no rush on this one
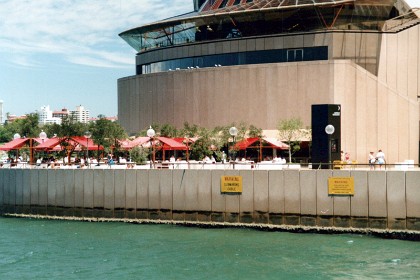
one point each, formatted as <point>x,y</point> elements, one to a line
<point>338,164</point>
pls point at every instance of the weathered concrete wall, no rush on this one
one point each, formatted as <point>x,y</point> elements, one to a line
<point>382,200</point>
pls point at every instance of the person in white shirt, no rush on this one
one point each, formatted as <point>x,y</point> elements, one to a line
<point>380,158</point>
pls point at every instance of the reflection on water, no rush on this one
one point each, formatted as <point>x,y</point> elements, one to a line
<point>80,250</point>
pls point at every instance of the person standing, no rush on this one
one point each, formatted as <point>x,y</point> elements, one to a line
<point>372,160</point>
<point>380,158</point>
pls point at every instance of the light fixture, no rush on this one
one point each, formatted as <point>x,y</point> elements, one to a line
<point>329,129</point>
<point>151,133</point>
<point>88,134</point>
<point>43,136</point>
<point>233,131</point>
<point>16,136</point>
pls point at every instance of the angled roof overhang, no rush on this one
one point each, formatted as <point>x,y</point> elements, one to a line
<point>296,16</point>
<point>15,144</point>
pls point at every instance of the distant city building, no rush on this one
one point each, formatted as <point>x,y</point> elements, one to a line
<point>11,118</point>
<point>112,119</point>
<point>61,114</point>
<point>45,116</point>
<point>80,114</point>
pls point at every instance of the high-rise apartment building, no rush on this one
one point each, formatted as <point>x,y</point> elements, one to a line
<point>45,116</point>
<point>80,114</point>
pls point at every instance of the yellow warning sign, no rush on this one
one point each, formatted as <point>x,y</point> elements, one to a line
<point>231,184</point>
<point>341,186</point>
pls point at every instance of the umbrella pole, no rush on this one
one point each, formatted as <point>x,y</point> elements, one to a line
<point>31,151</point>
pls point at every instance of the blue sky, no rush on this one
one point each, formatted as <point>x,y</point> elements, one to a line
<point>65,53</point>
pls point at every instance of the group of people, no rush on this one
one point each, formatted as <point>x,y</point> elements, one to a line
<point>379,158</point>
<point>373,159</point>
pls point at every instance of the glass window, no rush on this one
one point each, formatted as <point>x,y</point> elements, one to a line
<point>241,58</point>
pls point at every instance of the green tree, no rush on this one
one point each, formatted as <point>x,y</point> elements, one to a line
<point>138,155</point>
<point>255,131</point>
<point>29,126</point>
<point>106,133</point>
<point>290,131</point>
<point>70,127</point>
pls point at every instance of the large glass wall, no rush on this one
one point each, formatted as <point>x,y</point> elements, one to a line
<point>241,58</point>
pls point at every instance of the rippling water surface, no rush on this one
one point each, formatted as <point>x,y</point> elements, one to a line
<point>45,249</point>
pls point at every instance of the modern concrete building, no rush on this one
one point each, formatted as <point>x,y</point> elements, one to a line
<point>61,114</point>
<point>264,61</point>
<point>80,114</point>
<point>46,116</point>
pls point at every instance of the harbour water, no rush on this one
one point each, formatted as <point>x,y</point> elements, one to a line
<point>50,249</point>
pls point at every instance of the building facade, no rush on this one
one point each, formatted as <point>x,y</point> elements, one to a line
<point>45,116</point>
<point>64,113</point>
<point>260,62</point>
<point>80,114</point>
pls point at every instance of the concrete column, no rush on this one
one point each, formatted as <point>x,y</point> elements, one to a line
<point>360,201</point>
<point>60,192</point>
<point>292,197</point>
<point>131,193</point>
<point>166,194</point>
<point>413,200</point>
<point>181,178</point>
<point>191,194</point>
<point>342,204</point>
<point>142,211</point>
<point>218,201</point>
<point>308,197</point>
<point>69,192</point>
<point>276,196</point>
<point>246,199</point>
<point>377,199</point>
<point>34,174</point>
<point>98,192</point>
<point>78,193</point>
<point>120,191</point>
<point>87,192</point>
<point>43,191</point>
<point>2,175</point>
<point>109,193</point>
<point>396,193</point>
<point>204,195</point>
<point>261,203</point>
<point>154,193</point>
<point>232,201</point>
<point>19,190</point>
<point>26,199</point>
<point>51,191</point>
<point>10,194</point>
<point>325,203</point>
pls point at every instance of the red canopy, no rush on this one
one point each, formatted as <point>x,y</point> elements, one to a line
<point>266,143</point>
<point>86,142</point>
<point>139,141</point>
<point>171,144</point>
<point>184,140</point>
<point>14,144</point>
<point>76,141</point>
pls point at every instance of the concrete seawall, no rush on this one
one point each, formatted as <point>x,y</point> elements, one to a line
<point>384,200</point>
